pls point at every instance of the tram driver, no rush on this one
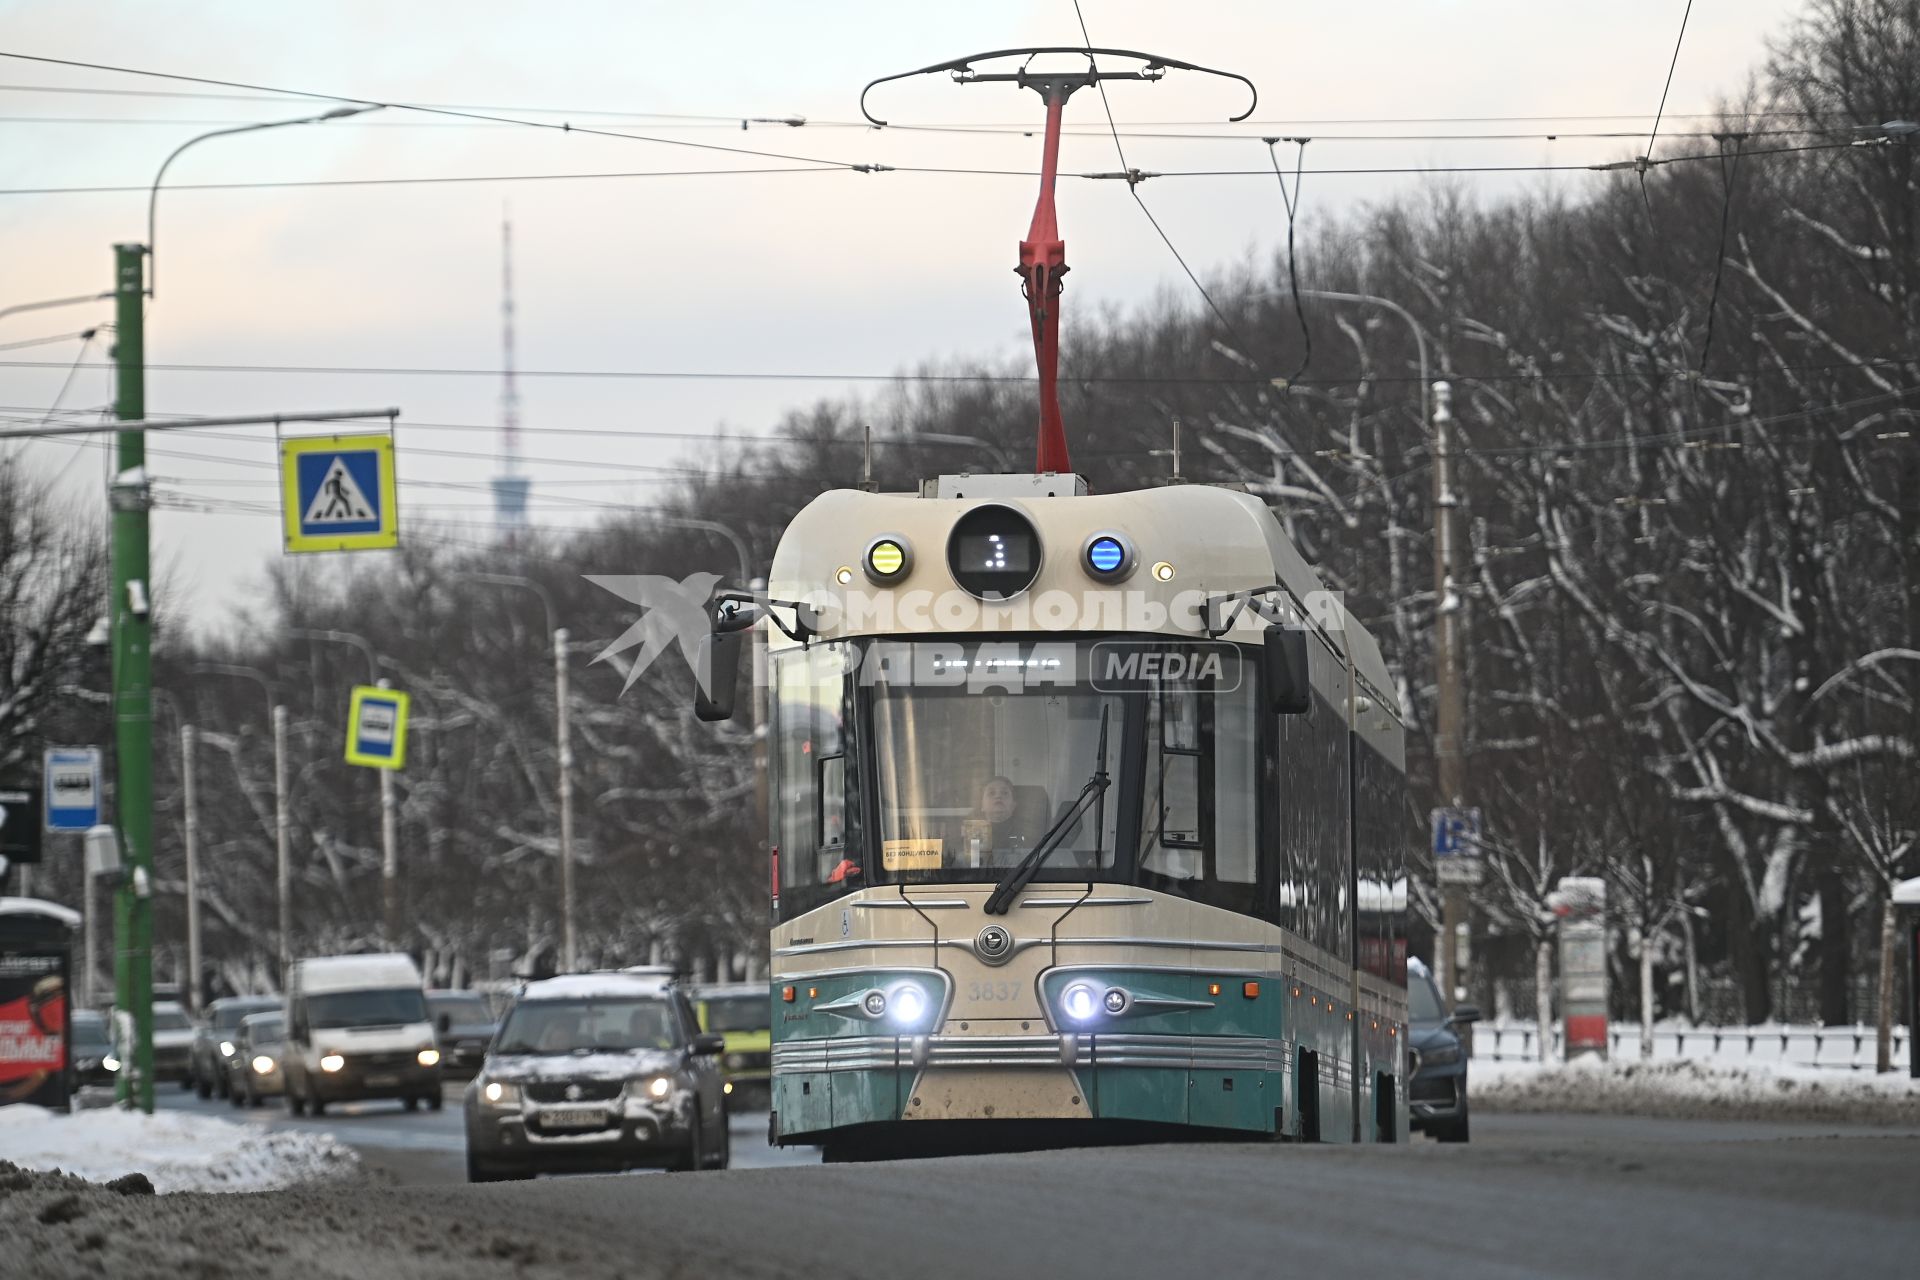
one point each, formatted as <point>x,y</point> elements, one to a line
<point>1006,823</point>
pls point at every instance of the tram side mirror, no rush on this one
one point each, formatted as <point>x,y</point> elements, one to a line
<point>1284,658</point>
<point>720,656</point>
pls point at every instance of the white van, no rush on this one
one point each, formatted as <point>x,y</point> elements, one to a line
<point>357,1027</point>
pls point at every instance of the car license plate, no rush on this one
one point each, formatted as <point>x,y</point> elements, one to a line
<point>382,1082</point>
<point>573,1118</point>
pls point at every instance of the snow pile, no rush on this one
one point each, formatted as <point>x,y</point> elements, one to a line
<point>1694,1089</point>
<point>177,1151</point>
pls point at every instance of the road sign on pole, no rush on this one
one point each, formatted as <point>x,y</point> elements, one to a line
<point>339,493</point>
<point>377,727</point>
<point>1456,845</point>
<point>73,788</point>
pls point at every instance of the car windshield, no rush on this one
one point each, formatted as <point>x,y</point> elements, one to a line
<point>171,1020</point>
<point>266,1032</point>
<point>461,1011</point>
<point>739,1013</point>
<point>1423,1000</point>
<point>982,748</point>
<point>89,1033</point>
<point>228,1016</point>
<point>381,1007</point>
<point>585,1026</point>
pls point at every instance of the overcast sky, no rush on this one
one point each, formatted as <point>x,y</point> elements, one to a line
<point>830,272</point>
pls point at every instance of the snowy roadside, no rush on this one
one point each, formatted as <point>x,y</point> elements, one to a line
<point>175,1151</point>
<point>1691,1089</point>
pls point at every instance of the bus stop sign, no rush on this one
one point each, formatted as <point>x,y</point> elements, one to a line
<point>377,728</point>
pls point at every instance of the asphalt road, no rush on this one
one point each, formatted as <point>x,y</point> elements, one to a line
<point>410,1148</point>
<point>1533,1195</point>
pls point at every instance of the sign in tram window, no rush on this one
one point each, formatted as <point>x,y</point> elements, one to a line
<point>912,855</point>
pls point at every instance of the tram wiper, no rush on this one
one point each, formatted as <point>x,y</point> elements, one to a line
<point>1022,874</point>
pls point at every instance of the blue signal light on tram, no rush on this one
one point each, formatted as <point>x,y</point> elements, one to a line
<point>1106,554</point>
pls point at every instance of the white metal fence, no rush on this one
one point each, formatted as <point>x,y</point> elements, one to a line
<point>1843,1048</point>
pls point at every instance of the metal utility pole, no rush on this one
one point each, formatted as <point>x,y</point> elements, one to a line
<point>390,857</point>
<point>277,717</point>
<point>130,618</point>
<point>563,733</point>
<point>563,727</point>
<point>1450,709</point>
<point>389,853</point>
<point>189,741</point>
<point>283,867</point>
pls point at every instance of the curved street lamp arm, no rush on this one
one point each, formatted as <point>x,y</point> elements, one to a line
<point>153,196</point>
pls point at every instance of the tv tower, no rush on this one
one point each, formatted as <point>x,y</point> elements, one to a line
<point>510,486</point>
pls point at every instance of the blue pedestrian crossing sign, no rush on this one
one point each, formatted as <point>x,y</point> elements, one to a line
<point>377,727</point>
<point>73,788</point>
<point>338,493</point>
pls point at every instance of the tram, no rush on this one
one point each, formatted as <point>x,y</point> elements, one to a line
<point>1088,817</point>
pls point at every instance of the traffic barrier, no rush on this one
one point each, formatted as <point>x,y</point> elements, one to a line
<point>1851,1048</point>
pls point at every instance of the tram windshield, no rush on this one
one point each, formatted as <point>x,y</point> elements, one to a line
<point>952,759</point>
<point>982,748</point>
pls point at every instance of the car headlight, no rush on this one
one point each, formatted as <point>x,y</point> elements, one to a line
<point>428,1057</point>
<point>331,1062</point>
<point>263,1065</point>
<point>500,1093</point>
<point>110,1062</point>
<point>653,1088</point>
<point>1444,1055</point>
<point>226,1048</point>
<point>734,1061</point>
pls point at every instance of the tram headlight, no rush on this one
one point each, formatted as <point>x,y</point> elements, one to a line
<point>909,1006</point>
<point>1115,1001</point>
<point>1080,1001</point>
<point>875,1003</point>
<point>1108,557</point>
<point>889,558</point>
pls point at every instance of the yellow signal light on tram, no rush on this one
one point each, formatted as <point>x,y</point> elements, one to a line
<point>786,994</point>
<point>888,558</point>
<point>1251,990</point>
<point>1213,988</point>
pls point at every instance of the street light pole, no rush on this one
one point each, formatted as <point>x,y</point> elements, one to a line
<point>569,951</point>
<point>189,742</point>
<point>130,617</point>
<point>130,499</point>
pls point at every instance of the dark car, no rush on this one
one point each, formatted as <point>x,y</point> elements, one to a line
<point>213,1041</point>
<point>254,1069</point>
<point>1437,1081</point>
<point>464,1024</point>
<point>90,1050</point>
<point>172,1042</point>
<point>597,1072</point>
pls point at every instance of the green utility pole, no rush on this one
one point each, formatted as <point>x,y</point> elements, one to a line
<point>131,613</point>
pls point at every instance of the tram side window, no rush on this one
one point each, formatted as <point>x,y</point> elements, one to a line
<point>810,777</point>
<point>1201,837</point>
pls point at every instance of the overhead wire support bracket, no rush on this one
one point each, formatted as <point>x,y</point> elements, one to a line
<point>1043,254</point>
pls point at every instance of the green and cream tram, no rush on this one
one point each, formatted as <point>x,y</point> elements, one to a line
<point>1089,816</point>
